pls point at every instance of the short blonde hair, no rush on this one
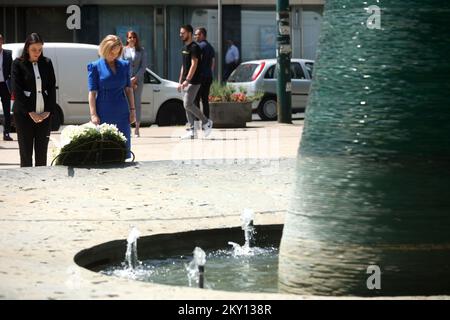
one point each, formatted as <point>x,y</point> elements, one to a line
<point>108,44</point>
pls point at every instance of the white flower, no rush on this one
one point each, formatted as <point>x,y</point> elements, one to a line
<point>71,132</point>
<point>89,125</point>
<point>111,129</point>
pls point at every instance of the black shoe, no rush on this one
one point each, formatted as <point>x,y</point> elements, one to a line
<point>6,137</point>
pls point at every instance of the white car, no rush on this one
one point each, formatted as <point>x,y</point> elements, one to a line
<point>260,76</point>
<point>161,102</point>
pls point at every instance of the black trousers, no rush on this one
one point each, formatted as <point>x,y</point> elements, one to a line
<point>32,135</point>
<point>6,102</point>
<point>203,95</point>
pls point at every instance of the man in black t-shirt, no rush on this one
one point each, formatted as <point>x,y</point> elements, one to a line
<point>190,82</point>
<point>206,68</point>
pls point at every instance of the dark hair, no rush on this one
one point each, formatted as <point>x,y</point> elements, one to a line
<point>188,28</point>
<point>134,34</point>
<point>31,39</point>
<point>202,30</point>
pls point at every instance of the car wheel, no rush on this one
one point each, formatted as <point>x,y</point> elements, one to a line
<point>56,119</point>
<point>267,109</point>
<point>171,113</point>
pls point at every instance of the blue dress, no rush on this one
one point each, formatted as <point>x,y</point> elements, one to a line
<point>112,103</point>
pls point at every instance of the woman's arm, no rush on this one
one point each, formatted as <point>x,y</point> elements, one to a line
<point>130,95</point>
<point>93,85</point>
<point>142,65</point>
<point>51,88</point>
<point>17,86</point>
<point>95,119</point>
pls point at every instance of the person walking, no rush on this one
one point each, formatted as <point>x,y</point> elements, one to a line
<point>189,81</point>
<point>231,59</point>
<point>137,57</point>
<point>206,66</point>
<point>111,98</point>
<point>34,86</point>
<point>5,87</point>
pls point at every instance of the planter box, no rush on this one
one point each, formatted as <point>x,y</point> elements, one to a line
<point>230,114</point>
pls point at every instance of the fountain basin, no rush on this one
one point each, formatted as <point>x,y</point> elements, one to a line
<point>165,257</point>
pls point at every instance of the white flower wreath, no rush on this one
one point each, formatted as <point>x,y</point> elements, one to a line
<point>73,134</point>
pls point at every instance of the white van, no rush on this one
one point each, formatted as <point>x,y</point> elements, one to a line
<point>161,102</point>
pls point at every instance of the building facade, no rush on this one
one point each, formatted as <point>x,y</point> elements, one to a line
<point>251,24</point>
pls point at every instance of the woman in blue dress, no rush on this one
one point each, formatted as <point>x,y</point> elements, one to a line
<point>111,98</point>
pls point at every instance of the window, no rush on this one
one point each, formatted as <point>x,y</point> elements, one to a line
<point>270,73</point>
<point>258,34</point>
<point>297,71</point>
<point>309,67</point>
<point>118,20</point>
<point>149,78</point>
<point>243,73</point>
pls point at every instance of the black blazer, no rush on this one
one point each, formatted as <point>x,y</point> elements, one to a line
<point>7,61</point>
<point>24,85</point>
<point>6,67</point>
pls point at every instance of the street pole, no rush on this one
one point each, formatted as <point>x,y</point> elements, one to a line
<point>284,50</point>
<point>219,32</point>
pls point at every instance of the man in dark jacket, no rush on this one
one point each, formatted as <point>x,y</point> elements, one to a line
<point>206,69</point>
<point>5,77</point>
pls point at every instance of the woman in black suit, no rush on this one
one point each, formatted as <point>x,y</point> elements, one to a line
<point>33,83</point>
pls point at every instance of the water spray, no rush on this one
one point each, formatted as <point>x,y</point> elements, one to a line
<point>200,261</point>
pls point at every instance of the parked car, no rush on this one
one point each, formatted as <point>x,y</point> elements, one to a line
<point>260,76</point>
<point>161,102</point>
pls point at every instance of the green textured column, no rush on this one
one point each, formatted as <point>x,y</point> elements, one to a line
<point>373,175</point>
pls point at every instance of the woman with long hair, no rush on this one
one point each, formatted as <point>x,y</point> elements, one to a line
<point>137,57</point>
<point>34,86</point>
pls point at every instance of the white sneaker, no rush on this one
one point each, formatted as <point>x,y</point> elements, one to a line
<point>207,127</point>
<point>190,134</point>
